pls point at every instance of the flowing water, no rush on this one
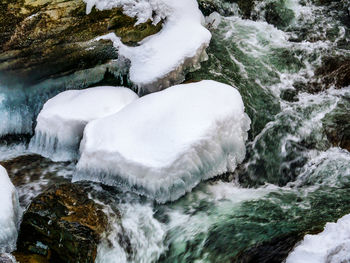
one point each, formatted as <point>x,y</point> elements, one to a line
<point>292,182</point>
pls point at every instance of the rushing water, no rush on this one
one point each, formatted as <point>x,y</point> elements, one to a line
<point>292,181</point>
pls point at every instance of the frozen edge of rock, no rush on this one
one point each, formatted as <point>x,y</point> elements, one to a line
<point>331,245</point>
<point>9,213</point>
<point>161,60</point>
<point>217,145</point>
<point>61,122</point>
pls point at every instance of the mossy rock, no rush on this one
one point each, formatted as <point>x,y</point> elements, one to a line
<point>48,39</point>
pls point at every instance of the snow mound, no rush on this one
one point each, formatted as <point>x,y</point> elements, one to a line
<point>61,122</point>
<point>162,59</point>
<point>330,246</point>
<point>9,213</point>
<point>165,143</point>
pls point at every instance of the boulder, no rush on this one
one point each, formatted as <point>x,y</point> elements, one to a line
<point>63,225</point>
<point>43,39</point>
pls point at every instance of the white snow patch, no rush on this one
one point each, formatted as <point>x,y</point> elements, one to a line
<point>9,213</point>
<point>61,122</point>
<point>331,246</point>
<point>161,60</point>
<point>165,143</point>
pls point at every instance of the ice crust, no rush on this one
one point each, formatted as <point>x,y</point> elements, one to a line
<point>61,122</point>
<point>330,246</point>
<point>161,60</point>
<point>163,144</point>
<point>9,213</point>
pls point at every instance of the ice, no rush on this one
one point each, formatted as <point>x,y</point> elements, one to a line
<point>61,122</point>
<point>162,59</point>
<point>9,213</point>
<point>165,143</point>
<point>331,246</point>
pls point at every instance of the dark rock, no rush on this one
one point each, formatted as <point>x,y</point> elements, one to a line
<point>336,125</point>
<point>209,6</point>
<point>278,14</point>
<point>275,250</point>
<point>334,71</point>
<point>63,225</point>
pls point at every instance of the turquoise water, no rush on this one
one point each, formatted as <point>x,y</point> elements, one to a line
<point>293,180</point>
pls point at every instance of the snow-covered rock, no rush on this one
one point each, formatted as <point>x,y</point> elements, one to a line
<point>161,60</point>
<point>61,122</point>
<point>330,246</point>
<point>9,213</point>
<point>165,143</point>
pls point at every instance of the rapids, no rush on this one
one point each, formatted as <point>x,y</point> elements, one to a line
<point>293,180</point>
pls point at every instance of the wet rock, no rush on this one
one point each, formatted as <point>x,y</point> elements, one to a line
<point>33,174</point>
<point>225,7</point>
<point>275,250</point>
<point>278,14</point>
<point>336,125</point>
<point>43,39</point>
<point>334,71</point>
<point>63,225</point>
<point>30,258</point>
<point>130,33</point>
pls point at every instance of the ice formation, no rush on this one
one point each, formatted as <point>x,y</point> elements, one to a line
<point>9,213</point>
<point>62,120</point>
<point>165,143</point>
<point>161,60</point>
<point>330,246</point>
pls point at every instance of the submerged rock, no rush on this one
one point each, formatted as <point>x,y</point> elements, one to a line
<point>63,225</point>
<point>334,72</point>
<point>336,125</point>
<point>226,7</point>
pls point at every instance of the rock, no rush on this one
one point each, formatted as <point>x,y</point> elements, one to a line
<point>33,174</point>
<point>225,7</point>
<point>63,225</point>
<point>130,33</point>
<point>336,125</point>
<point>41,39</point>
<point>334,71</point>
<point>278,14</point>
<point>273,251</point>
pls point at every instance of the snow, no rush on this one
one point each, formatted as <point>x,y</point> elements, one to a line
<point>331,246</point>
<point>165,143</point>
<point>9,213</point>
<point>61,122</point>
<point>162,59</point>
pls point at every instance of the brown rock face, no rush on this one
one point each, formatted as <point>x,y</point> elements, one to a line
<point>62,225</point>
<point>41,39</point>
